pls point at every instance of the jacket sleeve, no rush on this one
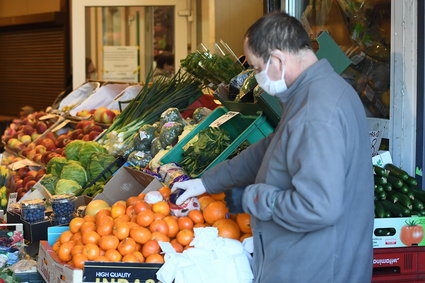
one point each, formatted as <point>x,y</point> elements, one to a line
<point>239,171</point>
<point>316,154</point>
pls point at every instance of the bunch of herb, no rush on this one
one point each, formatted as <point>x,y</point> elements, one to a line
<point>210,143</point>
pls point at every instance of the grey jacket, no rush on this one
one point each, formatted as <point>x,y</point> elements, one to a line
<point>309,186</point>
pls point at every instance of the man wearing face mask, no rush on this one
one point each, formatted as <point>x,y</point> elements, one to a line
<point>308,186</point>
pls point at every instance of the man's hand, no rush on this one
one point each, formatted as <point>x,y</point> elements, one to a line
<point>192,188</point>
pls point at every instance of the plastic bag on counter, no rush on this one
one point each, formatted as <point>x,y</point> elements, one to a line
<point>170,133</point>
<point>172,173</point>
<point>200,114</point>
<point>140,158</point>
<point>246,91</point>
<point>156,146</point>
<point>171,115</point>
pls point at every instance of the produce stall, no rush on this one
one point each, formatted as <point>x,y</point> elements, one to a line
<point>92,188</point>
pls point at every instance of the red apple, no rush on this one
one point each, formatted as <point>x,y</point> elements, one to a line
<point>84,124</point>
<point>32,173</point>
<point>29,185</point>
<point>31,145</point>
<point>37,157</point>
<point>51,136</point>
<point>19,183</point>
<point>86,138</point>
<point>25,139</point>
<point>93,135</point>
<point>108,116</point>
<point>48,143</point>
<point>27,179</point>
<point>41,127</point>
<point>97,116</point>
<point>27,129</point>
<point>75,134</point>
<point>40,149</point>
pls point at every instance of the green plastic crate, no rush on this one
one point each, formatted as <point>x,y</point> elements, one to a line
<point>240,128</point>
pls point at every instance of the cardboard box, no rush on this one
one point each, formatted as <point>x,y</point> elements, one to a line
<point>128,182</point>
<point>387,231</point>
<point>53,270</point>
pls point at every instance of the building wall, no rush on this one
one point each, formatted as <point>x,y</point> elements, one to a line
<point>9,8</point>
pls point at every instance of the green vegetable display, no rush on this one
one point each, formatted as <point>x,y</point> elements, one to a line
<point>55,165</point>
<point>72,150</point>
<point>98,163</point>
<point>170,132</point>
<point>171,115</point>
<point>65,186</point>
<point>210,143</point>
<point>74,171</point>
<point>396,194</point>
<point>49,182</point>
<point>86,151</point>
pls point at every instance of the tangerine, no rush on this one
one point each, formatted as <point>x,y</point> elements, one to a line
<point>65,251</point>
<point>108,242</point>
<point>102,258</point>
<point>127,246</point>
<point>140,234</point>
<point>121,230</point>
<point>87,226</point>
<point>139,256</point>
<point>161,207</point>
<point>173,226</point>
<point>130,258</point>
<point>65,237</point>
<point>184,237</point>
<point>177,246</point>
<point>141,206</point>
<point>185,222</point>
<point>227,228</point>
<point>90,237</point>
<point>105,226</point>
<point>165,192</point>
<point>122,218</point>
<point>91,251</point>
<point>244,222</point>
<point>219,196</point>
<point>145,218</point>
<point>89,218</point>
<point>196,216</point>
<point>78,260</point>
<point>150,247</point>
<point>214,211</point>
<point>77,237</point>
<point>159,226</point>
<point>118,209</point>
<point>204,201</point>
<point>160,237</point>
<point>244,236</point>
<point>132,201</point>
<point>113,255</point>
<point>155,258</point>
<point>77,249</point>
<point>75,224</point>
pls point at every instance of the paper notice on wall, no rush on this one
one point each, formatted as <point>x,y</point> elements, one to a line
<point>375,141</point>
<point>120,63</point>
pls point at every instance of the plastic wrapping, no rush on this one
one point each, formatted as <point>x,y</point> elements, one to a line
<point>236,84</point>
<point>140,158</point>
<point>144,138</point>
<point>170,133</point>
<point>156,146</point>
<point>172,173</point>
<point>32,211</point>
<point>63,205</point>
<point>200,114</point>
<point>171,115</point>
<point>246,91</point>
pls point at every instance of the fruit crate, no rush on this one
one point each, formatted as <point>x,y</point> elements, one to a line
<point>399,265</point>
<point>240,128</point>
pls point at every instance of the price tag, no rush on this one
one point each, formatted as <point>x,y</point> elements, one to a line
<point>22,163</point>
<point>223,119</point>
<point>47,117</point>
<point>12,199</point>
<point>375,141</point>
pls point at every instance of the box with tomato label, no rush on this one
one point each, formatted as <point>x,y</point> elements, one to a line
<point>398,232</point>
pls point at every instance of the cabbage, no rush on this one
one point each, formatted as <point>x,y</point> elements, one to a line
<point>170,133</point>
<point>74,171</point>
<point>65,186</point>
<point>86,151</point>
<point>98,163</point>
<point>72,149</point>
<point>49,182</point>
<point>55,165</point>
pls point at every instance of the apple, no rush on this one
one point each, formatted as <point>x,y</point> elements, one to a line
<point>48,143</point>
<point>93,135</point>
<point>75,134</point>
<point>31,145</point>
<point>12,143</point>
<point>41,127</point>
<point>22,171</point>
<point>116,112</point>
<point>83,113</point>
<point>40,149</point>
<point>92,111</point>
<point>27,129</point>
<point>60,150</point>
<point>37,157</point>
<point>34,136</point>
<point>29,185</point>
<point>25,139</point>
<point>97,116</point>
<point>19,183</point>
<point>62,140</point>
<point>86,137</point>
<point>9,132</point>
<point>51,136</point>
<point>27,179</point>
<point>32,173</point>
<point>108,116</point>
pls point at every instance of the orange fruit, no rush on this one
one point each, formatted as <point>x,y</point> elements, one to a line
<point>160,237</point>
<point>158,216</point>
<point>90,237</point>
<point>204,201</point>
<point>214,211</point>
<point>173,226</point>
<point>140,234</point>
<point>77,237</point>
<point>141,206</point>
<point>56,246</point>
<point>65,251</point>
<point>113,255</point>
<point>178,247</point>
<point>102,258</point>
<point>154,258</point>
<point>131,201</point>
<point>139,256</point>
<point>103,212</point>
<point>108,242</point>
<point>244,236</point>
<point>127,246</point>
<point>159,226</point>
<point>150,247</point>
<point>78,260</point>
<point>196,216</point>
<point>130,258</point>
<point>118,209</point>
<point>161,207</point>
<point>95,206</point>
<point>105,225</point>
<point>145,218</point>
<point>75,224</point>
<point>91,251</point>
<point>77,249</point>
<point>65,237</point>
<point>130,211</point>
<point>200,225</point>
<point>244,222</point>
<point>219,196</point>
<point>141,196</point>
<point>122,218</point>
<point>89,218</point>
<point>184,237</point>
<point>227,228</point>
<point>87,226</point>
<point>165,192</point>
<point>121,230</point>
<point>185,223</point>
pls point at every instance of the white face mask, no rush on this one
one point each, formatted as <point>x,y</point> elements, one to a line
<point>269,86</point>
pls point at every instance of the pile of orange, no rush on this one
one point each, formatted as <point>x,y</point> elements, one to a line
<point>130,230</point>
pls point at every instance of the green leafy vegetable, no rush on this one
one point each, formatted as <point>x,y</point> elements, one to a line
<point>98,163</point>
<point>49,182</point>
<point>65,186</point>
<point>74,171</point>
<point>55,165</point>
<point>86,151</point>
<point>72,149</point>
<point>170,133</point>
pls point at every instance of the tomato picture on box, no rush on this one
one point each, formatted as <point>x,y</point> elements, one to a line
<point>398,232</point>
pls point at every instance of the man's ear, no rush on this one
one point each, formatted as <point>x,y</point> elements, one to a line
<point>278,54</point>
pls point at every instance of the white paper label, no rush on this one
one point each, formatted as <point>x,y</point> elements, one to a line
<point>223,119</point>
<point>12,199</point>
<point>375,141</point>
